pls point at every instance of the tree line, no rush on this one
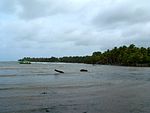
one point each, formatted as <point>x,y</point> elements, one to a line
<point>124,55</point>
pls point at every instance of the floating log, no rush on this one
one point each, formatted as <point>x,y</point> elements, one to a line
<point>59,71</point>
<point>83,70</point>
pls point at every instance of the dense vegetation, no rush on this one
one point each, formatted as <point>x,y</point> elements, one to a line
<point>129,56</point>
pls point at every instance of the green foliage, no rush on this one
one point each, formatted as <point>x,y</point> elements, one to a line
<point>129,56</point>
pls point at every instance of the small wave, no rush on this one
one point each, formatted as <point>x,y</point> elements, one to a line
<point>7,75</point>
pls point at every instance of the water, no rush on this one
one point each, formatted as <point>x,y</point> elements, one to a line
<point>37,88</point>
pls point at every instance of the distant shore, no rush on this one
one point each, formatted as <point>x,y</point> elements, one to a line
<point>122,56</point>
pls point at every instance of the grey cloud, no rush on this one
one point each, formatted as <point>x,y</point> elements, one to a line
<point>33,9</point>
<point>8,6</point>
<point>128,19</point>
<point>123,13</point>
<point>71,27</point>
<point>42,8</point>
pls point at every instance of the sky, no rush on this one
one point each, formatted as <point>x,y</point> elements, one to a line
<point>45,28</point>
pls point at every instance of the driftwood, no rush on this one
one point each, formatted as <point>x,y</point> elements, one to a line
<point>59,71</point>
<point>83,70</point>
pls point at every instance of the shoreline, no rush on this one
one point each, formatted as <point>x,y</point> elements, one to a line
<point>129,65</point>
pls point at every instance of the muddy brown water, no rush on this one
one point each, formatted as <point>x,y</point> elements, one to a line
<point>37,88</point>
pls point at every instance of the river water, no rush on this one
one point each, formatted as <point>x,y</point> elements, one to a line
<point>37,88</point>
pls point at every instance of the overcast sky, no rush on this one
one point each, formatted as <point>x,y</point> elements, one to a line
<point>45,28</point>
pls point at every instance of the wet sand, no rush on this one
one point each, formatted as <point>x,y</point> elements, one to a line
<point>104,89</point>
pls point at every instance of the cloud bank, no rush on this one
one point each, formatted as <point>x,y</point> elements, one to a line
<point>44,28</point>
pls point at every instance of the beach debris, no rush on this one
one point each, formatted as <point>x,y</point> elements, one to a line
<point>47,110</point>
<point>44,93</point>
<point>83,70</point>
<point>59,71</point>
